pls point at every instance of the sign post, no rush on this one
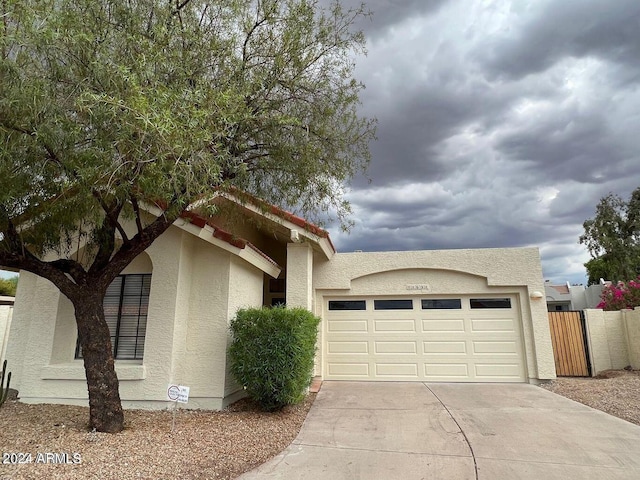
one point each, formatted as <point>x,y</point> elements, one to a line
<point>177,393</point>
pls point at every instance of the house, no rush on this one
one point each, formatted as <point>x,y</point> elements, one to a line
<point>436,316</point>
<point>566,297</point>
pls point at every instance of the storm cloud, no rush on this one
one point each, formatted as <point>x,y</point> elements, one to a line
<point>501,124</point>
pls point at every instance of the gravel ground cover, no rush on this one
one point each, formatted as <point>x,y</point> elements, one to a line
<point>616,392</point>
<point>55,443</point>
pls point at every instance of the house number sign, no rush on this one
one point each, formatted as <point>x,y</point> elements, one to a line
<point>425,287</point>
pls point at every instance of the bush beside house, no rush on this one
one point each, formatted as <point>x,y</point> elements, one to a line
<point>624,295</point>
<point>272,353</point>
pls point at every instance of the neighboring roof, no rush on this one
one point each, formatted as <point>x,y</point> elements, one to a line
<point>563,289</point>
<point>557,293</point>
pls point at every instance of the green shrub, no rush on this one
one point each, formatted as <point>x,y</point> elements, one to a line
<point>8,286</point>
<point>272,353</point>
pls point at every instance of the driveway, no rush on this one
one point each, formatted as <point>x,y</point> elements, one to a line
<point>363,430</point>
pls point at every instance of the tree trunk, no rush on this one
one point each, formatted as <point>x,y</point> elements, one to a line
<point>105,408</point>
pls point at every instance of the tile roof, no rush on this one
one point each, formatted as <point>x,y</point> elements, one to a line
<point>278,212</point>
<point>200,222</point>
<point>563,289</point>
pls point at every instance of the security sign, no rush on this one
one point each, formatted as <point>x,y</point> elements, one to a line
<point>178,393</point>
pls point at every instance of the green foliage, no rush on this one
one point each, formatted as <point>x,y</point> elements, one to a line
<point>272,353</point>
<point>613,239</point>
<point>8,286</point>
<point>112,102</point>
<point>4,391</point>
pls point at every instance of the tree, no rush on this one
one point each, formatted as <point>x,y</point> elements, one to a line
<point>613,239</point>
<point>8,286</point>
<point>110,105</point>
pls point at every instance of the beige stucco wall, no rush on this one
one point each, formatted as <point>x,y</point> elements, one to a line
<point>187,328</point>
<point>514,271</point>
<point>614,339</point>
<point>245,290</point>
<point>300,275</point>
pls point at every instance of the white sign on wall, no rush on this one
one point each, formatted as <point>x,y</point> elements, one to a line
<point>178,393</point>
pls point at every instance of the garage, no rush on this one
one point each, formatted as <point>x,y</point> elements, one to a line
<point>465,338</point>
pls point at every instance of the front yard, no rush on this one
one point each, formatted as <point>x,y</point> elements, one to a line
<point>204,444</point>
<point>616,392</point>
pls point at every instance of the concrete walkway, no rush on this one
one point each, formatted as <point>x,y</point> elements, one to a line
<point>367,430</point>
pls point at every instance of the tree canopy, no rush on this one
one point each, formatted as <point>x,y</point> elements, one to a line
<point>8,286</point>
<point>110,105</point>
<point>613,239</point>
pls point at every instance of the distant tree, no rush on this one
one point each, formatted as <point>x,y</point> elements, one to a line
<point>613,239</point>
<point>8,286</point>
<point>110,105</point>
<point>598,268</point>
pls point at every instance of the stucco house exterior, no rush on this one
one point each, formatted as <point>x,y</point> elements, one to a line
<point>566,297</point>
<point>435,316</point>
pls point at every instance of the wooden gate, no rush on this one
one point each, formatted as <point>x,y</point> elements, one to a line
<point>568,337</point>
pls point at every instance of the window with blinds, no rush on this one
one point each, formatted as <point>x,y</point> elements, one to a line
<point>126,305</point>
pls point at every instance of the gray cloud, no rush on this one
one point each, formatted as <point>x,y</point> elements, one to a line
<point>387,14</point>
<point>545,32</point>
<point>501,124</point>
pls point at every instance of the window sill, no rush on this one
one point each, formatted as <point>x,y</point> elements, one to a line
<point>75,371</point>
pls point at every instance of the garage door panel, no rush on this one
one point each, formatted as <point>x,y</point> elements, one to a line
<point>443,325</point>
<point>495,347</point>
<point>440,347</point>
<point>394,326</point>
<point>446,370</point>
<point>397,370</point>
<point>461,345</point>
<point>353,348</point>
<point>386,347</point>
<point>349,370</point>
<point>497,370</point>
<point>492,325</point>
<point>348,326</point>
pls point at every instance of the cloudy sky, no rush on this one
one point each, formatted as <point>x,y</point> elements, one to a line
<point>501,124</point>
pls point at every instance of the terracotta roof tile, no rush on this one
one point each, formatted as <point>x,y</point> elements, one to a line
<point>279,212</point>
<point>560,288</point>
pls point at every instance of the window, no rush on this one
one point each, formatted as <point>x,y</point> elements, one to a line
<point>126,304</point>
<point>490,303</point>
<point>393,304</point>
<point>347,305</point>
<point>442,304</point>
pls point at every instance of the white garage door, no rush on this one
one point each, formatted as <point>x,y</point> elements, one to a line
<point>461,339</point>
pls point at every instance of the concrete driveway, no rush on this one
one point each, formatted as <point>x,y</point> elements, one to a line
<point>367,430</point>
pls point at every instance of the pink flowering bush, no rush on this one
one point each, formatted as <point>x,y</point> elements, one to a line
<point>621,296</point>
